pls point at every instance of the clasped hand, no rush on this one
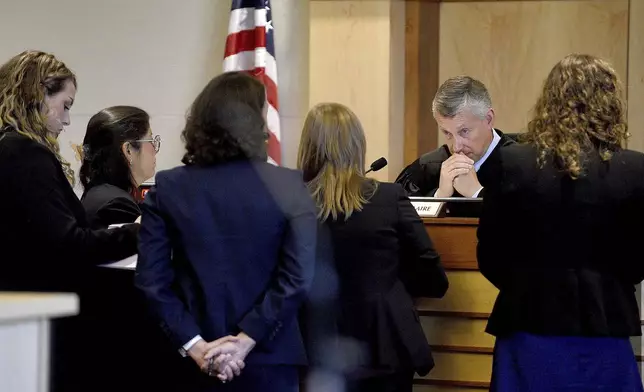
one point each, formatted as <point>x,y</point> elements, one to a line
<point>224,357</point>
<point>458,174</point>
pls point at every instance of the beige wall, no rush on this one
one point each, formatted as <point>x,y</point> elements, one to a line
<point>357,59</point>
<point>156,54</point>
<point>122,55</point>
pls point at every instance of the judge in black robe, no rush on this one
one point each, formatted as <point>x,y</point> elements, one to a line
<point>421,177</point>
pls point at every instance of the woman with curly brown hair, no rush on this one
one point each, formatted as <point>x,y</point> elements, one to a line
<point>557,239</point>
<point>227,247</point>
<point>45,237</point>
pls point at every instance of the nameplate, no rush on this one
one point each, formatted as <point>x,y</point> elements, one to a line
<point>427,209</point>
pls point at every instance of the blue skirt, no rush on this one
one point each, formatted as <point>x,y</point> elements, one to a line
<point>531,363</point>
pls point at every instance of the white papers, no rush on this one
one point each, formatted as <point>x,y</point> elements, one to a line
<point>125,264</point>
<point>132,265</point>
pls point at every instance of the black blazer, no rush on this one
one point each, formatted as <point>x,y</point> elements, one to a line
<point>384,256</point>
<point>45,239</point>
<point>108,204</point>
<point>565,254</point>
<point>421,177</point>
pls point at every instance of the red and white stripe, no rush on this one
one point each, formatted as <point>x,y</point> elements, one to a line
<point>246,51</point>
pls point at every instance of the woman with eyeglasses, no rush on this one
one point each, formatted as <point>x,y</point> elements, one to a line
<point>119,154</point>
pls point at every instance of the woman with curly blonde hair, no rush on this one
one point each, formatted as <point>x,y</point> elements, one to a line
<point>45,238</point>
<point>564,208</point>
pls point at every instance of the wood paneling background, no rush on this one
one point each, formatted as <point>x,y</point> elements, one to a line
<point>421,76</point>
<point>511,46</point>
<point>357,53</point>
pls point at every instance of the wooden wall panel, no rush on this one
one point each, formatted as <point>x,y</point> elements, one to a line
<point>511,46</point>
<point>474,368</point>
<point>421,77</point>
<point>468,291</point>
<point>455,331</point>
<point>351,49</point>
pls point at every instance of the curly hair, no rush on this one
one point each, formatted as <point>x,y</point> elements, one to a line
<point>580,111</point>
<point>24,81</point>
<point>103,158</point>
<point>226,121</point>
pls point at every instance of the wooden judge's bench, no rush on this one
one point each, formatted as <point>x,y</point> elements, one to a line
<point>455,324</point>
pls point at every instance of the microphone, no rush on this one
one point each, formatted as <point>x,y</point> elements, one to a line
<point>377,165</point>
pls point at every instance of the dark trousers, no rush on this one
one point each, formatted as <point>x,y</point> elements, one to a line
<point>69,365</point>
<point>254,378</point>
<point>393,382</point>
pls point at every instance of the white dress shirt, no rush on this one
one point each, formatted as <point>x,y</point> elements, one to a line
<point>184,350</point>
<point>495,141</point>
<point>477,165</point>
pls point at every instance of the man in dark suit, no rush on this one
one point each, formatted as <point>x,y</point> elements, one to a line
<point>462,166</point>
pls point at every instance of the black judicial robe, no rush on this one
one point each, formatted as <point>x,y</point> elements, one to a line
<point>421,177</point>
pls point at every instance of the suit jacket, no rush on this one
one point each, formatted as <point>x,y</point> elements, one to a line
<point>421,177</point>
<point>384,256</point>
<point>229,248</point>
<point>45,237</point>
<point>107,204</point>
<point>565,254</point>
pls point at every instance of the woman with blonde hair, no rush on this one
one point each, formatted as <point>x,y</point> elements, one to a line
<point>45,238</point>
<point>557,239</point>
<point>382,254</point>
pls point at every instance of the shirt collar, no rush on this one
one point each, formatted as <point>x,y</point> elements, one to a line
<point>495,140</point>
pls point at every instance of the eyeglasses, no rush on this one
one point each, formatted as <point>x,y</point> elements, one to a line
<point>156,142</point>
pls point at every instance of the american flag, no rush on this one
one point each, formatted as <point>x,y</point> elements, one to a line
<point>250,47</point>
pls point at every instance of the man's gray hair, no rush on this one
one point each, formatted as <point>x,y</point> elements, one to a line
<point>459,93</point>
